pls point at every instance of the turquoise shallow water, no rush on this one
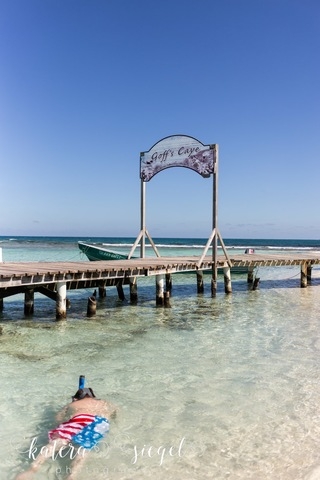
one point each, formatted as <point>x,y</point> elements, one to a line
<point>210,388</point>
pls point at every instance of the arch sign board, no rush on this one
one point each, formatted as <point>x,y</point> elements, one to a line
<point>188,152</point>
<point>178,151</point>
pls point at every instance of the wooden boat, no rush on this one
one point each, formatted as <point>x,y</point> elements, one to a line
<point>95,253</point>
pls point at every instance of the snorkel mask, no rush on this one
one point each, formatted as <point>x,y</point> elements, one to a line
<point>82,391</point>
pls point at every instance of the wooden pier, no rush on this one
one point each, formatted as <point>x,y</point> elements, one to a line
<point>53,279</point>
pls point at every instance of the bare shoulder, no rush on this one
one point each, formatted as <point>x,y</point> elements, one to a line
<point>94,407</point>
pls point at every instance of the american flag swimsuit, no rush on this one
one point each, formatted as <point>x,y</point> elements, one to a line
<point>85,430</point>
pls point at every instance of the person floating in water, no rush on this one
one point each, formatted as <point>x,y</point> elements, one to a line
<point>84,422</point>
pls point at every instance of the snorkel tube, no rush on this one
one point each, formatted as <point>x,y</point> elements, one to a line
<point>82,380</point>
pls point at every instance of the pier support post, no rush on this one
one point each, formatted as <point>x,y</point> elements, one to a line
<point>61,302</point>
<point>250,274</point>
<point>133,290</point>
<point>120,291</point>
<point>168,282</point>
<point>102,291</point>
<point>309,272</point>
<point>167,299</point>
<point>256,283</point>
<point>304,279</point>
<point>29,302</point>
<point>159,290</point>
<point>213,287</point>
<point>227,280</point>
<point>92,306</point>
<point>200,284</point>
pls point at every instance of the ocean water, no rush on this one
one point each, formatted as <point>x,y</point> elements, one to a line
<point>211,388</point>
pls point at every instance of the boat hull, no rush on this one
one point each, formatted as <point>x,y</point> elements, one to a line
<point>95,253</point>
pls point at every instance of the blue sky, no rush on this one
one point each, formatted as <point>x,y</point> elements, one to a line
<point>86,85</point>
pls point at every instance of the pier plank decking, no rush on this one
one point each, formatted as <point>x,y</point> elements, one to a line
<point>30,274</point>
<point>53,279</point>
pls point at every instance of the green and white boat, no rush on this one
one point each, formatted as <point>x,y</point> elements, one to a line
<point>95,252</point>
